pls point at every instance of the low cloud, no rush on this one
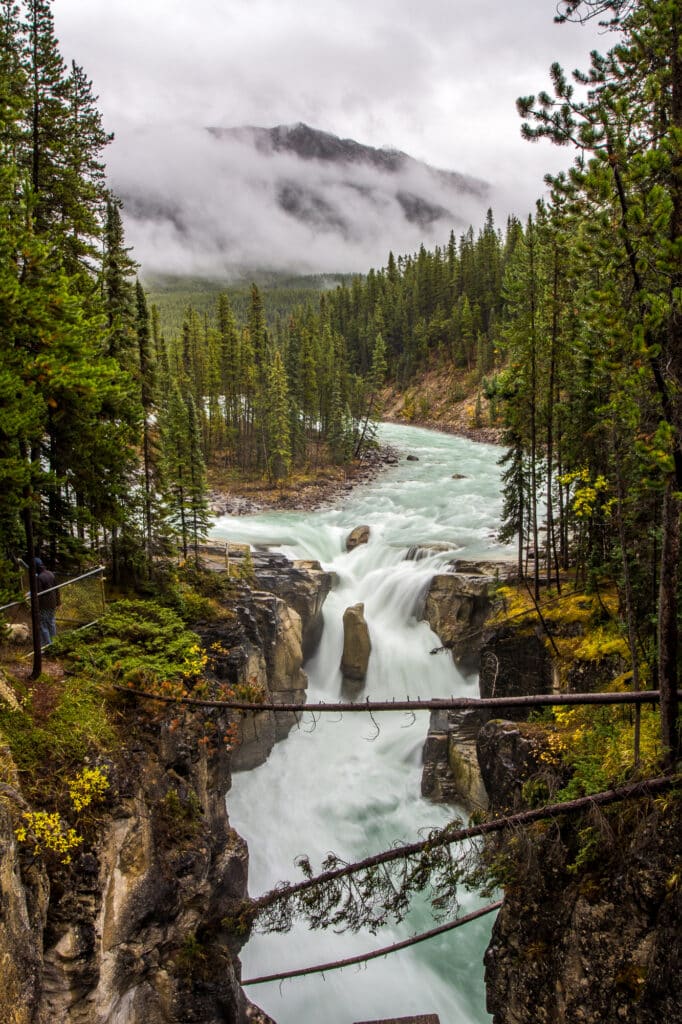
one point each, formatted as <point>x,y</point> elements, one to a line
<point>202,204</point>
<point>438,81</point>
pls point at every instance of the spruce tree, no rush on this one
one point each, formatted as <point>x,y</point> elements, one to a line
<point>277,428</point>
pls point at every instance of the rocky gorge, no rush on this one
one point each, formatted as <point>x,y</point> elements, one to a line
<point>136,929</point>
<point>133,930</point>
<point>585,933</point>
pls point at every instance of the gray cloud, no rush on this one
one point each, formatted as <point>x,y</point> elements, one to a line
<point>436,79</point>
<point>209,205</point>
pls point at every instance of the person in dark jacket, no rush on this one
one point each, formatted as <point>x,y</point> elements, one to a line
<point>47,602</point>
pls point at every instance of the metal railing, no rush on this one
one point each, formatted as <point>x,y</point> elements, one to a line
<point>82,603</point>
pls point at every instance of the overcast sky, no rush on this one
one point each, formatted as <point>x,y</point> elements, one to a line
<point>435,78</point>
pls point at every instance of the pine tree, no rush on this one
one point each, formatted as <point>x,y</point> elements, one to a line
<point>175,457</point>
<point>628,180</point>
<point>48,116</point>
<point>375,382</point>
<point>198,515</point>
<point>278,437</point>
<point>118,288</point>
<point>147,391</point>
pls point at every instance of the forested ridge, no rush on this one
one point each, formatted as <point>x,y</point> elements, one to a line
<point>569,325</point>
<point>565,331</point>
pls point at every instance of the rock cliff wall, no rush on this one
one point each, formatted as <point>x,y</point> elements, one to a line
<point>456,606</point>
<point>589,928</point>
<point>132,931</point>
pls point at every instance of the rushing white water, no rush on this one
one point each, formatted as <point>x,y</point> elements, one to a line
<point>341,786</point>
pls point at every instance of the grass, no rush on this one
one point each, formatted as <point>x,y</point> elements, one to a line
<point>48,736</point>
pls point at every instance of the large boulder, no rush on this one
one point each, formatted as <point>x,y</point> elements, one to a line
<point>303,585</point>
<point>356,643</point>
<point>456,607</point>
<point>360,535</point>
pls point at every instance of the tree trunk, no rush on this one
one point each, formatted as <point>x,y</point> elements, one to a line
<point>33,585</point>
<point>667,627</point>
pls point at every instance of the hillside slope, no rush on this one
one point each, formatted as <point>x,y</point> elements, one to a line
<point>443,398</point>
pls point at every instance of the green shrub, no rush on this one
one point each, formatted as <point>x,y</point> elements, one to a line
<point>135,640</point>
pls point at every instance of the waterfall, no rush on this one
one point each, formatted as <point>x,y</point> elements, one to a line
<point>347,784</point>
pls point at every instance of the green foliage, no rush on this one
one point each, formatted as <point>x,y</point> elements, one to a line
<point>76,727</point>
<point>589,849</point>
<point>136,641</point>
<point>597,745</point>
<point>593,335</point>
<point>180,818</point>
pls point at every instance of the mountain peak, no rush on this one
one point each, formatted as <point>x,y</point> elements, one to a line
<point>293,197</point>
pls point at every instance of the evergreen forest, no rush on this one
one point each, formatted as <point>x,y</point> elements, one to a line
<point>569,325</point>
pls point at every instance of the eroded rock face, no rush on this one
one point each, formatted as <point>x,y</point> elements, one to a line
<point>264,650</point>
<point>451,773</point>
<point>456,607</point>
<point>514,663</point>
<point>303,585</point>
<point>357,645</point>
<point>25,897</point>
<point>132,932</point>
<point>600,946</point>
<point>509,754</point>
<point>360,535</point>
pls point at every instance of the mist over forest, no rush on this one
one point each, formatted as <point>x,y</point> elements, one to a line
<point>230,201</point>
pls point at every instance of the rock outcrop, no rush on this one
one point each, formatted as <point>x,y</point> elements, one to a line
<point>359,535</point>
<point>357,645</point>
<point>508,755</point>
<point>591,934</point>
<point>451,772</point>
<point>275,628</point>
<point>460,600</point>
<point>262,654</point>
<point>132,931</point>
<point>589,928</point>
<point>456,607</point>
<point>303,585</point>
<point>25,898</point>
<point>515,662</point>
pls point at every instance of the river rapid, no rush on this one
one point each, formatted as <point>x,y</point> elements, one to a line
<point>337,784</point>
